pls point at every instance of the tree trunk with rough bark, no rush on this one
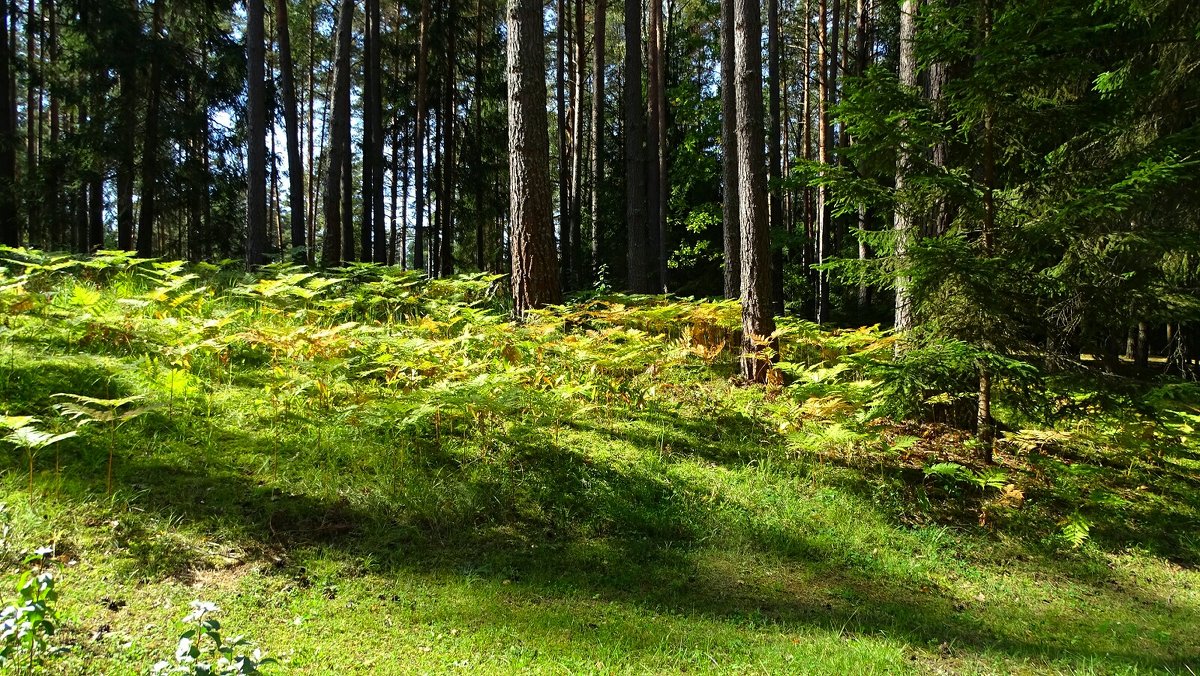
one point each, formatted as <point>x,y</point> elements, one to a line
<point>757,322</point>
<point>535,280</point>
<point>339,138</point>
<point>10,224</point>
<point>902,220</point>
<point>579,267</point>
<point>256,125</point>
<point>729,169</point>
<point>448,121</point>
<point>422,124</point>
<point>598,29</point>
<point>146,207</point>
<point>656,148</point>
<point>564,160</point>
<point>774,152</point>
<point>291,123</point>
<point>635,141</point>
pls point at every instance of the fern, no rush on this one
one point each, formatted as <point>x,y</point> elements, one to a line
<point>1076,528</point>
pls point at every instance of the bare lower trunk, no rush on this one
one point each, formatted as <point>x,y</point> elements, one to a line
<point>256,153</point>
<point>597,129</point>
<point>448,120</point>
<point>535,281</point>
<point>560,100</point>
<point>339,139</point>
<point>984,429</point>
<point>729,156</point>
<point>579,267</point>
<point>146,207</point>
<point>422,123</point>
<point>902,222</point>
<point>635,141</point>
<point>757,323</point>
<point>291,122</point>
<point>10,224</point>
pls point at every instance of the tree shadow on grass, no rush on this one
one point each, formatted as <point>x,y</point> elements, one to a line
<point>567,524</point>
<point>564,525</point>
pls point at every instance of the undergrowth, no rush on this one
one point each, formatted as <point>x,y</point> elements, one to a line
<point>206,420</point>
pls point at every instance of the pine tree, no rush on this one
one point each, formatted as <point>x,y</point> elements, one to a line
<point>535,280</point>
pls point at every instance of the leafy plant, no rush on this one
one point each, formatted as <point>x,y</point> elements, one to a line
<point>26,626</point>
<point>1076,528</point>
<point>952,472</point>
<point>24,435</point>
<point>203,651</point>
<point>110,412</point>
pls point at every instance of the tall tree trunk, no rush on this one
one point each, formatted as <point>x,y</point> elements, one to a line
<point>1142,357</point>
<point>560,98</point>
<point>597,128</point>
<point>378,237</point>
<point>449,117</point>
<point>408,151</point>
<point>535,281</point>
<point>55,225</point>
<point>339,138</point>
<point>13,97</point>
<point>757,321</point>
<point>147,207</point>
<point>256,124</point>
<point>310,135</point>
<point>370,111</point>
<point>480,262</point>
<point>419,136</point>
<point>902,219</point>
<point>984,429</point>
<point>347,176</point>
<point>435,229</point>
<point>579,267</point>
<point>95,226</point>
<point>863,54</point>
<point>806,151</point>
<point>31,119</point>
<point>395,191</point>
<point>291,123</point>
<point>657,146</point>
<point>729,157</point>
<point>774,153</point>
<point>635,141</point>
<point>10,224</point>
<point>94,175</point>
<point>828,63</point>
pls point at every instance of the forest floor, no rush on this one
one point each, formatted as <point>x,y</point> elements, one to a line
<point>369,473</point>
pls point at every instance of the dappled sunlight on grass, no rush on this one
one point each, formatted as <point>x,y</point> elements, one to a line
<point>376,473</point>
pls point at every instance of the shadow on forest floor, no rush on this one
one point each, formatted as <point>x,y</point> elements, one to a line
<point>566,523</point>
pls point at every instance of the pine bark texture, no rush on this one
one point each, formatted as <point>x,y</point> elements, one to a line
<point>146,208</point>
<point>635,160</point>
<point>597,128</point>
<point>535,281</point>
<point>560,100</point>
<point>291,123</point>
<point>422,126</point>
<point>256,152</point>
<point>339,138</point>
<point>757,321</point>
<point>902,222</point>
<point>729,156</point>
<point>656,148</point>
<point>448,121</point>
<point>578,259</point>
<point>10,224</point>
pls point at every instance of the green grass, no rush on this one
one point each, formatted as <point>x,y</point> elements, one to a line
<point>432,489</point>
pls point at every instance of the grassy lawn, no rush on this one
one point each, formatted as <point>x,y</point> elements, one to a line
<point>382,476</point>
